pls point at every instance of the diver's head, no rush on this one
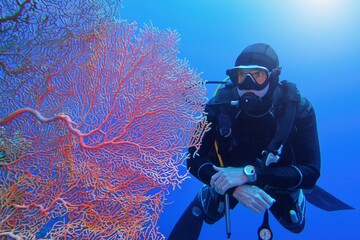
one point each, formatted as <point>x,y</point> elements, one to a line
<point>256,75</point>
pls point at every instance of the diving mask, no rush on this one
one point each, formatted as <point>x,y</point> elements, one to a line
<point>250,77</point>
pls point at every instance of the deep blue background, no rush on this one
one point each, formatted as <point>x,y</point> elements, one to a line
<point>318,43</point>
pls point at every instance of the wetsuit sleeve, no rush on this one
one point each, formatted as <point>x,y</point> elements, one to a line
<point>198,163</point>
<point>305,170</point>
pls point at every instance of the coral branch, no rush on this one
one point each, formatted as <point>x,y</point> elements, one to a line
<point>95,120</point>
<point>15,16</point>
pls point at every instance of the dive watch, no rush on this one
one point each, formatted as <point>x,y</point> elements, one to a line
<point>250,173</point>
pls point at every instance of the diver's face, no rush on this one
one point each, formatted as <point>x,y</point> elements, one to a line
<point>259,76</point>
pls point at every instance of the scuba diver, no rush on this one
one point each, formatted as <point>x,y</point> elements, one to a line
<point>262,150</point>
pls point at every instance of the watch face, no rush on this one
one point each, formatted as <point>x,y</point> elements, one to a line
<point>265,234</point>
<point>249,170</point>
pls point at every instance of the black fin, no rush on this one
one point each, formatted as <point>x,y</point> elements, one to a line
<point>324,200</point>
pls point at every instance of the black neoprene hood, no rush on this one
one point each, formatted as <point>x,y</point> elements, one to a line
<point>260,54</point>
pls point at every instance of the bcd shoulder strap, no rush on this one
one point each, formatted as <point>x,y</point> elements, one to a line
<point>225,117</point>
<point>285,121</point>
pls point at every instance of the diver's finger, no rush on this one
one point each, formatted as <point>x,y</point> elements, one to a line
<point>213,179</point>
<point>220,185</point>
<point>217,168</point>
<point>254,207</point>
<point>264,204</point>
<point>267,198</point>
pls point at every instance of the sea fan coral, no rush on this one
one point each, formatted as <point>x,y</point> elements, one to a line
<point>95,118</point>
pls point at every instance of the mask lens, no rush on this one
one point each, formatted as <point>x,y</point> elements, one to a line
<point>259,76</point>
<point>251,77</point>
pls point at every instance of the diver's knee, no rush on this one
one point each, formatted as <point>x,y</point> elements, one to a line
<point>196,211</point>
<point>211,207</point>
<point>295,227</point>
<point>297,215</point>
<point>293,222</point>
<point>293,218</point>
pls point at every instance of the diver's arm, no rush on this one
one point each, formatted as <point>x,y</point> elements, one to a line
<point>306,170</point>
<point>197,163</point>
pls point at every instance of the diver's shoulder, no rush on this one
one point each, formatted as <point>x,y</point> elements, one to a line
<point>305,108</point>
<point>304,105</point>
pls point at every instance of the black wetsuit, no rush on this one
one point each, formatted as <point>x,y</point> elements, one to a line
<point>251,135</point>
<point>298,167</point>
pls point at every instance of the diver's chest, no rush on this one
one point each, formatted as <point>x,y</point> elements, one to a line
<point>253,134</point>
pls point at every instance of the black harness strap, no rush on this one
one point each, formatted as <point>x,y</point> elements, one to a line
<point>285,122</point>
<point>226,111</point>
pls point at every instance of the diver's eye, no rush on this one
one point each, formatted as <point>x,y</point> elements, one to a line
<point>259,76</point>
<point>241,74</point>
<point>240,77</point>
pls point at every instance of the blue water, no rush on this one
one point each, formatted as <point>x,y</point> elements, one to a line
<point>318,43</point>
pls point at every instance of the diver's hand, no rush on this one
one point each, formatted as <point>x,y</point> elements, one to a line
<point>227,178</point>
<point>253,198</point>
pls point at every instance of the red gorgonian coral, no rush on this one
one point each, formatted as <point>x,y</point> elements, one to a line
<point>95,120</point>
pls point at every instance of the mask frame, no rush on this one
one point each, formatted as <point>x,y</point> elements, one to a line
<point>249,81</point>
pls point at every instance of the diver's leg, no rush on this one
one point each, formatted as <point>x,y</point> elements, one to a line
<point>297,214</point>
<point>289,210</point>
<point>206,207</point>
<point>190,223</point>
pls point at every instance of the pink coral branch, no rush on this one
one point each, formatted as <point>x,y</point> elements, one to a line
<point>95,121</point>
